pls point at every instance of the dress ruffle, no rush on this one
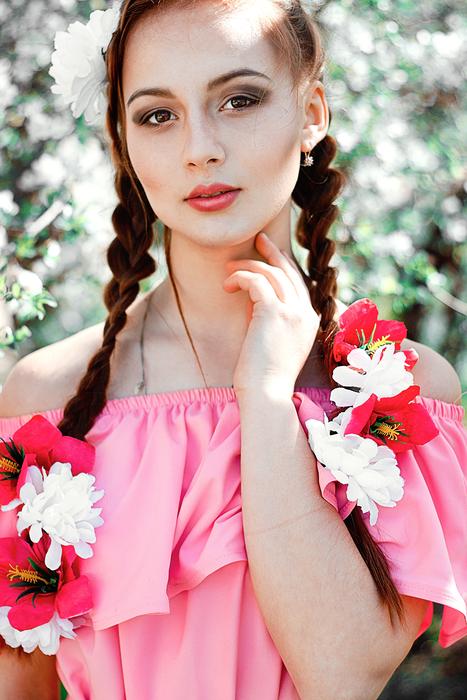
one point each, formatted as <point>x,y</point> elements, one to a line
<point>424,537</point>
<point>170,468</point>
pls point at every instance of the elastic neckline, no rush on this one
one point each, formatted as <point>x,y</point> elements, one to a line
<point>211,394</point>
<point>225,394</point>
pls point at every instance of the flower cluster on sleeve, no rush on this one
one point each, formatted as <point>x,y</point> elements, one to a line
<point>377,416</point>
<point>45,476</point>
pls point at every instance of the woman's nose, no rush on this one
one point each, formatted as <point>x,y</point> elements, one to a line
<point>202,145</point>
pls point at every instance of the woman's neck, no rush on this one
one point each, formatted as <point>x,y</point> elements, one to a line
<point>199,271</point>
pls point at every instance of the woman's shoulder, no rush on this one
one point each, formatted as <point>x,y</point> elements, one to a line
<point>434,374</point>
<point>45,378</point>
<point>49,376</point>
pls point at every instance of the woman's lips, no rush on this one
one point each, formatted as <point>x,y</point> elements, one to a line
<point>213,203</point>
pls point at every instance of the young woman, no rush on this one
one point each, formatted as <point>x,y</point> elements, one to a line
<point>230,564</point>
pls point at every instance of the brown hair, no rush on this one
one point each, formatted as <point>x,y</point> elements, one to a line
<point>297,37</point>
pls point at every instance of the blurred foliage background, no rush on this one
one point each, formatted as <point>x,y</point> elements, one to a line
<point>395,83</point>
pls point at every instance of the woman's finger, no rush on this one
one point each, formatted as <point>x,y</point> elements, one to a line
<point>276,276</point>
<point>279,258</point>
<point>257,286</point>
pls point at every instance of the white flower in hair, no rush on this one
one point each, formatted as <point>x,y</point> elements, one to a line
<point>46,637</point>
<point>370,470</point>
<point>78,64</point>
<point>384,374</point>
<point>62,505</point>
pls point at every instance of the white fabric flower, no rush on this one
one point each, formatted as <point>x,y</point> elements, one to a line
<point>370,470</point>
<point>339,423</point>
<point>384,374</point>
<point>11,505</point>
<point>62,505</point>
<point>78,64</point>
<point>46,637</point>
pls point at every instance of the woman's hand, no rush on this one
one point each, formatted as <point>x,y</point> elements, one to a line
<point>282,322</point>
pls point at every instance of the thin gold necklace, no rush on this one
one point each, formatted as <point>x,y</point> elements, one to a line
<point>141,387</point>
<point>177,298</point>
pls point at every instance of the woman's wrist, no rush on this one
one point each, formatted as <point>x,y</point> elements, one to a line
<point>265,393</point>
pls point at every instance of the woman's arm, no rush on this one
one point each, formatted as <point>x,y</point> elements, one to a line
<point>24,676</point>
<point>27,676</point>
<point>315,592</point>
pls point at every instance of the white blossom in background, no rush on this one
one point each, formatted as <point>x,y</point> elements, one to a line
<point>29,281</point>
<point>397,189</point>
<point>7,203</point>
<point>6,335</point>
<point>400,245</point>
<point>422,157</point>
<point>8,90</point>
<point>456,230</point>
<point>451,205</point>
<point>41,125</point>
<point>347,139</point>
<point>46,171</point>
<point>334,14</point>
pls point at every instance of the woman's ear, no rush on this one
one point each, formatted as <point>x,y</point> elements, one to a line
<point>315,115</point>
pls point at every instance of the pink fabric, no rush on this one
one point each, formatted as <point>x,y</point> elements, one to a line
<point>174,612</point>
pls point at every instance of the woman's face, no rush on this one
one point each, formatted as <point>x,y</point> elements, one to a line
<point>245,132</point>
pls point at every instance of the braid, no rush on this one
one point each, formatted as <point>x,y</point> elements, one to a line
<point>315,195</point>
<point>130,262</point>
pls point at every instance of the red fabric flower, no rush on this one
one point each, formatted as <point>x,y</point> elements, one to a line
<point>393,421</point>
<point>41,443</point>
<point>360,328</point>
<point>35,592</point>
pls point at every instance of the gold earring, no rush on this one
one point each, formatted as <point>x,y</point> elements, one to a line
<point>308,159</point>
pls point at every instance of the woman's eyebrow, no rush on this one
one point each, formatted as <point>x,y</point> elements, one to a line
<point>216,82</point>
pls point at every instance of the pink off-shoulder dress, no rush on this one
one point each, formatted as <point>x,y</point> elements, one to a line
<point>175,616</point>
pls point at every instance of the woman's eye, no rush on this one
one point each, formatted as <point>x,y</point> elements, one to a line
<point>238,102</point>
<point>164,112</point>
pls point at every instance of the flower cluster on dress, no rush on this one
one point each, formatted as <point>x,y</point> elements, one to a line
<point>78,62</point>
<point>377,417</point>
<point>46,477</point>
